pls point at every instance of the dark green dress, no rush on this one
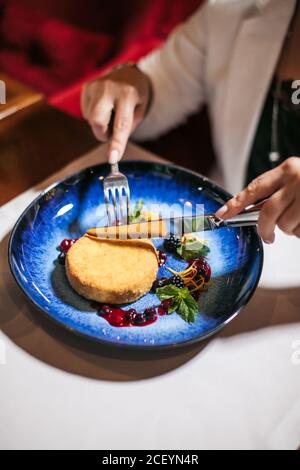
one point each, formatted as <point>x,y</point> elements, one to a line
<point>288,132</point>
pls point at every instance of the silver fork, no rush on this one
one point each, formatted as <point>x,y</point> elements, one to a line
<point>115,187</point>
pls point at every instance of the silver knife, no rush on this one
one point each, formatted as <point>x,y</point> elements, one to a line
<point>176,225</point>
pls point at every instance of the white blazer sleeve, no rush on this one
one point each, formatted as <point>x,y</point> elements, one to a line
<point>177,74</point>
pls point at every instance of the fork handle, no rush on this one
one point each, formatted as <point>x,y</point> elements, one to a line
<point>114,169</point>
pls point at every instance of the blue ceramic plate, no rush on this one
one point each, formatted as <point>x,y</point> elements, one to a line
<point>68,208</point>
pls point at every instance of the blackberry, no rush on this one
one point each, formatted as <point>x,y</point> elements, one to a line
<point>130,315</point>
<point>172,243</point>
<point>163,281</point>
<point>177,281</point>
<point>150,313</point>
<point>140,319</point>
<point>132,311</point>
<point>62,258</point>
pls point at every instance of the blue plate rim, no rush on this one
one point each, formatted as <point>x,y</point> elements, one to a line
<point>224,194</point>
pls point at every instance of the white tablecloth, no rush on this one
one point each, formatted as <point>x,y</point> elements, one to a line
<point>240,390</point>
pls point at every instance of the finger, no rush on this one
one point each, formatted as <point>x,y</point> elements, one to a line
<point>290,218</point>
<point>261,187</point>
<point>122,129</point>
<point>84,101</point>
<point>99,118</point>
<point>297,231</point>
<point>271,212</point>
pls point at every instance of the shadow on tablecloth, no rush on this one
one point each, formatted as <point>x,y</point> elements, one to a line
<point>44,340</point>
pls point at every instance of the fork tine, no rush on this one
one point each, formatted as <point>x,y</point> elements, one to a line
<point>127,196</point>
<point>114,203</point>
<point>110,203</point>
<point>121,205</point>
<point>116,188</point>
<point>107,205</point>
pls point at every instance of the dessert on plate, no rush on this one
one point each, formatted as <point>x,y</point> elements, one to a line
<point>110,270</point>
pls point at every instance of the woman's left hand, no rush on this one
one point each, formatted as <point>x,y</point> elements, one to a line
<point>282,184</point>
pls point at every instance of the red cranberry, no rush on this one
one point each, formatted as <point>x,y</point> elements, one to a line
<point>164,306</point>
<point>207,273</point>
<point>105,309</point>
<point>196,263</point>
<point>161,311</point>
<point>162,258</point>
<point>202,266</point>
<point>66,244</point>
<point>204,269</point>
<point>167,303</point>
<point>117,318</point>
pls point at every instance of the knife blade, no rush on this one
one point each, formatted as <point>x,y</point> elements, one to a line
<point>178,226</point>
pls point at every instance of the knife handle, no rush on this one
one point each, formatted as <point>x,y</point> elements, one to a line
<point>255,207</point>
<point>247,217</point>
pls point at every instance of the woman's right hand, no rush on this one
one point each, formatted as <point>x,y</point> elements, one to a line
<point>127,93</point>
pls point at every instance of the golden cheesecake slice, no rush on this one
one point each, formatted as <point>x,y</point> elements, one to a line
<point>112,271</point>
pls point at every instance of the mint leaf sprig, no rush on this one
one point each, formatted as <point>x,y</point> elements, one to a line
<point>192,248</point>
<point>182,301</point>
<point>136,214</point>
